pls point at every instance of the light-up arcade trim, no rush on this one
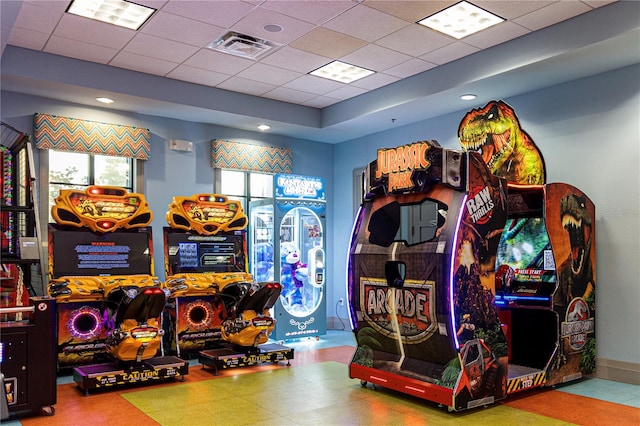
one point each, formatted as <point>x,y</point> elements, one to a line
<point>452,272</point>
<point>85,323</point>
<point>101,209</point>
<point>206,214</point>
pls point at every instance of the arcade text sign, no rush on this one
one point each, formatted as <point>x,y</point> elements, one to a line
<point>406,313</point>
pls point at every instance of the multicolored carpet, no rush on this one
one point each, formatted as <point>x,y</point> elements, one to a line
<point>316,390</point>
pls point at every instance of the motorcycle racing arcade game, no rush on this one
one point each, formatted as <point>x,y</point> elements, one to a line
<point>109,303</point>
<point>216,307</point>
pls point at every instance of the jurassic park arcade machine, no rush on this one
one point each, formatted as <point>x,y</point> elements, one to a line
<point>421,254</point>
<point>454,292</point>
<point>109,304</point>
<point>217,309</point>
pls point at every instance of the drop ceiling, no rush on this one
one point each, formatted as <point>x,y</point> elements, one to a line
<point>165,68</point>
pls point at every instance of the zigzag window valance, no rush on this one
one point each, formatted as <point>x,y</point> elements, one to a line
<point>72,134</point>
<point>246,157</point>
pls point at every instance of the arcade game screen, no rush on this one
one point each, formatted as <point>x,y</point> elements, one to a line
<point>524,246</point>
<point>83,252</point>
<point>193,253</point>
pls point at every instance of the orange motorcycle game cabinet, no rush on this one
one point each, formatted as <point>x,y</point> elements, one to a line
<point>109,304</point>
<point>217,310</point>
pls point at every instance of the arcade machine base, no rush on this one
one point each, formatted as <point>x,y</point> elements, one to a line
<point>228,357</point>
<point>100,376</point>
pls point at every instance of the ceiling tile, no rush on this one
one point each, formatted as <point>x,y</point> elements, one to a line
<point>328,43</point>
<point>94,32</point>
<point>557,12</point>
<point>253,24</point>
<point>598,3</point>
<point>142,63</point>
<point>80,50</point>
<point>289,95</point>
<point>154,4</point>
<point>28,38</point>
<point>321,102</point>
<point>160,48</point>
<point>217,61</point>
<point>197,75</point>
<point>375,58</point>
<point>313,84</point>
<point>449,53</point>
<point>57,6</point>
<point>410,11</point>
<point>346,92</point>
<point>295,60</point>
<point>375,81</point>
<point>365,23</point>
<point>511,9</point>
<point>315,12</point>
<point>242,85</point>
<point>414,40</point>
<point>268,74</point>
<point>181,29</point>
<point>221,13</point>
<point>37,18</point>
<point>495,35</point>
<point>409,68</point>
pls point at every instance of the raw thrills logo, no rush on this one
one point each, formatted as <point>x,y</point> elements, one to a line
<point>480,205</point>
<point>393,312</point>
<point>399,163</point>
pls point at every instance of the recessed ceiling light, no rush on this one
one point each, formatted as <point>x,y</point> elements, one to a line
<point>264,127</point>
<point>468,97</point>
<point>105,100</point>
<point>116,12</point>
<point>460,20</point>
<point>342,72</point>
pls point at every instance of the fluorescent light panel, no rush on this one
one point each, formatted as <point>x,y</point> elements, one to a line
<point>342,72</point>
<point>460,20</point>
<point>116,12</point>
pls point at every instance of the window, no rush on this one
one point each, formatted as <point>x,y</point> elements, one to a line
<point>75,170</point>
<point>410,223</point>
<point>245,186</point>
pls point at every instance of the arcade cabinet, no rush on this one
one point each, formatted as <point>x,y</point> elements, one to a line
<point>109,304</point>
<point>463,288</point>
<point>28,359</point>
<point>216,309</point>
<point>545,284</point>
<point>287,244</point>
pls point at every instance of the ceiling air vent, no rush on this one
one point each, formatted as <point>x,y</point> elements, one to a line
<point>242,45</point>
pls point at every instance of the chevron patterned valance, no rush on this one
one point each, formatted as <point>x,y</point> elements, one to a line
<point>71,134</point>
<point>257,158</point>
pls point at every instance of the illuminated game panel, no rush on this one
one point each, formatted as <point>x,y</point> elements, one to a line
<point>206,214</point>
<point>101,209</point>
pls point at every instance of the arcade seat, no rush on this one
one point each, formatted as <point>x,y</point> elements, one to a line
<point>253,323</point>
<point>134,334</point>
